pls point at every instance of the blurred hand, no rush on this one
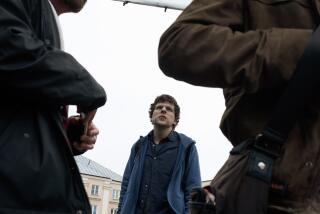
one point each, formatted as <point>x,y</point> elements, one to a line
<point>88,140</point>
<point>88,137</point>
<point>87,120</point>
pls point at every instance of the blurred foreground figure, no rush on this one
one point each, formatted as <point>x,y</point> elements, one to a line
<point>250,49</point>
<point>163,166</point>
<point>38,173</point>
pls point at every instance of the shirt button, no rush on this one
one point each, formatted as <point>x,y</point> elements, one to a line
<point>79,212</point>
<point>154,158</point>
<point>146,186</point>
<point>309,164</point>
<point>26,135</point>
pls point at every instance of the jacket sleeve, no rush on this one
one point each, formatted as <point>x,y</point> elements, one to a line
<point>32,70</point>
<point>205,46</point>
<point>192,176</point>
<point>126,177</point>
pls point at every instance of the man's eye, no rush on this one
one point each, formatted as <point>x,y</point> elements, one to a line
<point>169,109</point>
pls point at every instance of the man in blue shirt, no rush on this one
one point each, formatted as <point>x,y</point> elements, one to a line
<point>163,166</point>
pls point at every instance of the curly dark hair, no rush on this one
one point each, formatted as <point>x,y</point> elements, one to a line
<point>166,98</point>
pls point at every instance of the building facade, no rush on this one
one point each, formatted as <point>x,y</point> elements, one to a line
<point>205,183</point>
<point>102,185</point>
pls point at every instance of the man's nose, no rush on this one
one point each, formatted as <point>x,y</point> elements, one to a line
<point>163,109</point>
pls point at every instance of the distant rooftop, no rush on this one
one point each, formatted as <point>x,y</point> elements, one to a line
<point>90,167</point>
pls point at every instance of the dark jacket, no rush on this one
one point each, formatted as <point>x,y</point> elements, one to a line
<point>38,173</point>
<point>185,176</point>
<point>250,48</point>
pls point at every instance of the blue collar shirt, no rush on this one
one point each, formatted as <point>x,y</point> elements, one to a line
<point>159,163</point>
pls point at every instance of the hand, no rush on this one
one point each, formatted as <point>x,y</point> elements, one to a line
<point>88,140</point>
<point>88,135</point>
<point>87,120</point>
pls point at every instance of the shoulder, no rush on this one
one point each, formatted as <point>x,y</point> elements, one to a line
<point>186,140</point>
<point>136,146</point>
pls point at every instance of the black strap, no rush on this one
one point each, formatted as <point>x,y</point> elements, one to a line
<point>301,88</point>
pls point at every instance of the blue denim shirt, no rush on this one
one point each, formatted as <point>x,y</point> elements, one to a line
<point>159,162</point>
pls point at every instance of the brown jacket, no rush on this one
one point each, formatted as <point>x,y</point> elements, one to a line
<point>250,49</point>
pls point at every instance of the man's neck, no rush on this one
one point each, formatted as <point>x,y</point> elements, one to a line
<point>159,134</point>
<point>59,6</point>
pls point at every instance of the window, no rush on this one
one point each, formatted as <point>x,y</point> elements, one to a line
<point>94,209</point>
<point>94,190</point>
<point>114,210</point>
<point>115,194</point>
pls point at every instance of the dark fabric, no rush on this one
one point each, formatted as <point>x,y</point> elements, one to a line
<point>38,173</point>
<point>235,190</point>
<point>158,166</point>
<point>252,57</point>
<point>185,176</point>
<point>301,90</point>
<point>32,67</point>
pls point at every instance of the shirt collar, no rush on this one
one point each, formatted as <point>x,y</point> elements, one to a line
<point>171,137</point>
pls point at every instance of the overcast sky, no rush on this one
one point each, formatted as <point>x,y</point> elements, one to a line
<point>118,46</point>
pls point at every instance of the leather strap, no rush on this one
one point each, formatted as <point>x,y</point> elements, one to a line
<point>301,89</point>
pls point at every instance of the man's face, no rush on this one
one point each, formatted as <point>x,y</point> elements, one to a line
<point>163,115</point>
<point>75,5</point>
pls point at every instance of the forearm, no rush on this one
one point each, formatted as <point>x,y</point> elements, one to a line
<point>126,177</point>
<point>54,78</point>
<point>32,70</point>
<point>206,47</point>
